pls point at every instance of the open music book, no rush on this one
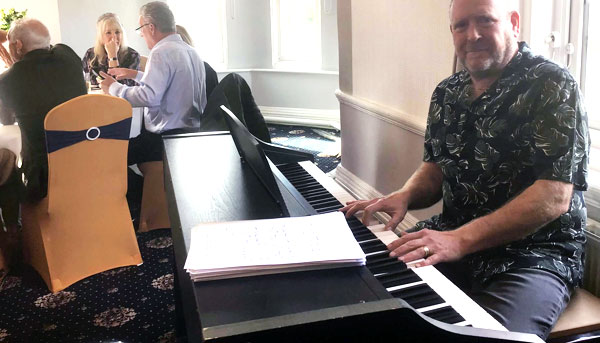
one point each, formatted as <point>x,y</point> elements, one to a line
<point>255,247</point>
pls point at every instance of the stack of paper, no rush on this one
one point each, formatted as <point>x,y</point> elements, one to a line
<point>254,247</point>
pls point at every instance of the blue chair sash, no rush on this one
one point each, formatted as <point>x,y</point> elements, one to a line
<point>56,140</point>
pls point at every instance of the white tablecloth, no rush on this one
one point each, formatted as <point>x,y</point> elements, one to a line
<point>10,138</point>
<point>137,116</point>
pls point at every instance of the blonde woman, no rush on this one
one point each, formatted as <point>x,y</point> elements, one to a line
<point>110,50</point>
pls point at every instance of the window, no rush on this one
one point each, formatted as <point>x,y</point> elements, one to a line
<point>567,31</point>
<point>205,22</point>
<point>590,71</point>
<point>296,34</point>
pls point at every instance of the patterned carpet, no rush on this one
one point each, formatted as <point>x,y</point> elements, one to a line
<point>324,144</point>
<point>129,304</point>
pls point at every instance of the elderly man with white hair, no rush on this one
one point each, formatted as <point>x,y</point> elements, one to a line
<point>506,150</point>
<point>42,77</point>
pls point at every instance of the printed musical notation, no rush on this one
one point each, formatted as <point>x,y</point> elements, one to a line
<point>253,247</point>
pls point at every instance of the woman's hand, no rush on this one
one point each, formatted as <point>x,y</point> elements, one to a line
<point>123,73</point>
<point>111,48</point>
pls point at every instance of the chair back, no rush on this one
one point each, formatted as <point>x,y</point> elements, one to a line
<point>143,61</point>
<point>83,226</point>
<point>91,170</point>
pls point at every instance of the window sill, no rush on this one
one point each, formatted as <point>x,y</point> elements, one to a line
<point>291,71</point>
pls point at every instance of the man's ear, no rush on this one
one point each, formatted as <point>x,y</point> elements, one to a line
<point>19,45</point>
<point>515,22</point>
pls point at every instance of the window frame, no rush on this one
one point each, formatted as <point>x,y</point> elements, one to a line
<point>223,7</point>
<point>569,20</point>
<point>281,63</point>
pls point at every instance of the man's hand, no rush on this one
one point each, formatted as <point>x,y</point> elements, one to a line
<point>5,56</point>
<point>430,245</point>
<point>395,205</point>
<point>123,73</point>
<point>105,84</point>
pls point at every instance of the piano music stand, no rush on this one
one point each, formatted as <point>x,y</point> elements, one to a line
<point>251,152</point>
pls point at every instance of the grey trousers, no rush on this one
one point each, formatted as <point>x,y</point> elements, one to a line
<point>523,300</point>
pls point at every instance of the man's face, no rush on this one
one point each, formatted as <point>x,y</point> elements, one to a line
<point>146,33</point>
<point>485,35</point>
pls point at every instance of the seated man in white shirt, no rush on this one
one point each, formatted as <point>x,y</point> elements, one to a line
<point>172,86</point>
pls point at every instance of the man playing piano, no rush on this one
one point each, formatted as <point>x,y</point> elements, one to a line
<point>506,150</point>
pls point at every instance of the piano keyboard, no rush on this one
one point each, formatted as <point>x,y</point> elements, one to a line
<point>425,289</point>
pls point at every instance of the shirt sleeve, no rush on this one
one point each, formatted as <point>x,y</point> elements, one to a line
<point>560,138</point>
<point>153,84</point>
<point>131,60</point>
<point>431,146</point>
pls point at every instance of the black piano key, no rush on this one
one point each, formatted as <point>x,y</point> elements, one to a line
<point>380,256</point>
<point>363,236</point>
<point>402,277</point>
<point>445,314</point>
<point>388,264</point>
<point>375,246</point>
<point>354,221</point>
<point>360,230</point>
<point>388,268</point>
<point>327,209</point>
<point>325,203</point>
<point>418,296</point>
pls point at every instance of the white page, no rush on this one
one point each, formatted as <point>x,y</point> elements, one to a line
<point>272,243</point>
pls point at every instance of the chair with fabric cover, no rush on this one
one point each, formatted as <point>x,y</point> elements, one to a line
<point>143,61</point>
<point>83,226</point>
<point>154,212</point>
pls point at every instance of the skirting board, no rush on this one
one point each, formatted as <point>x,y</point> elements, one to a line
<point>362,190</point>
<point>302,116</point>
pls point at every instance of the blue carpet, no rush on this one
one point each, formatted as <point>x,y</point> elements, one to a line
<point>323,144</point>
<point>130,304</point>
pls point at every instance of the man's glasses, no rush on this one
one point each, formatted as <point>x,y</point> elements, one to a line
<point>139,28</point>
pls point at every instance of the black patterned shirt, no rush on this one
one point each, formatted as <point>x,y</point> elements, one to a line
<point>529,125</point>
<point>127,59</point>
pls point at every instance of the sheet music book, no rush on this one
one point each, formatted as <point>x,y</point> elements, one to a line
<point>266,246</point>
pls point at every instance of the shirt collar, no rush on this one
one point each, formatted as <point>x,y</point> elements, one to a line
<point>175,37</point>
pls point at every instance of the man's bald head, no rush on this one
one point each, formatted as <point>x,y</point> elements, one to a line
<point>507,5</point>
<point>26,35</point>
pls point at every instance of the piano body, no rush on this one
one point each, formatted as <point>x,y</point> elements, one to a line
<point>206,181</point>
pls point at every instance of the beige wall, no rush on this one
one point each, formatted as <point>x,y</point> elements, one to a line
<point>392,55</point>
<point>400,50</point>
<point>46,11</point>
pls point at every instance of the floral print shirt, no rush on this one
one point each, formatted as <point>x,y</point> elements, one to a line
<point>529,125</point>
<point>128,59</point>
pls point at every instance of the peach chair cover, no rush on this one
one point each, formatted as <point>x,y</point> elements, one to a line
<point>154,212</point>
<point>83,226</point>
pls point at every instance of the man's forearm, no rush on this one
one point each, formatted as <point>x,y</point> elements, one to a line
<point>536,206</point>
<point>424,187</point>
